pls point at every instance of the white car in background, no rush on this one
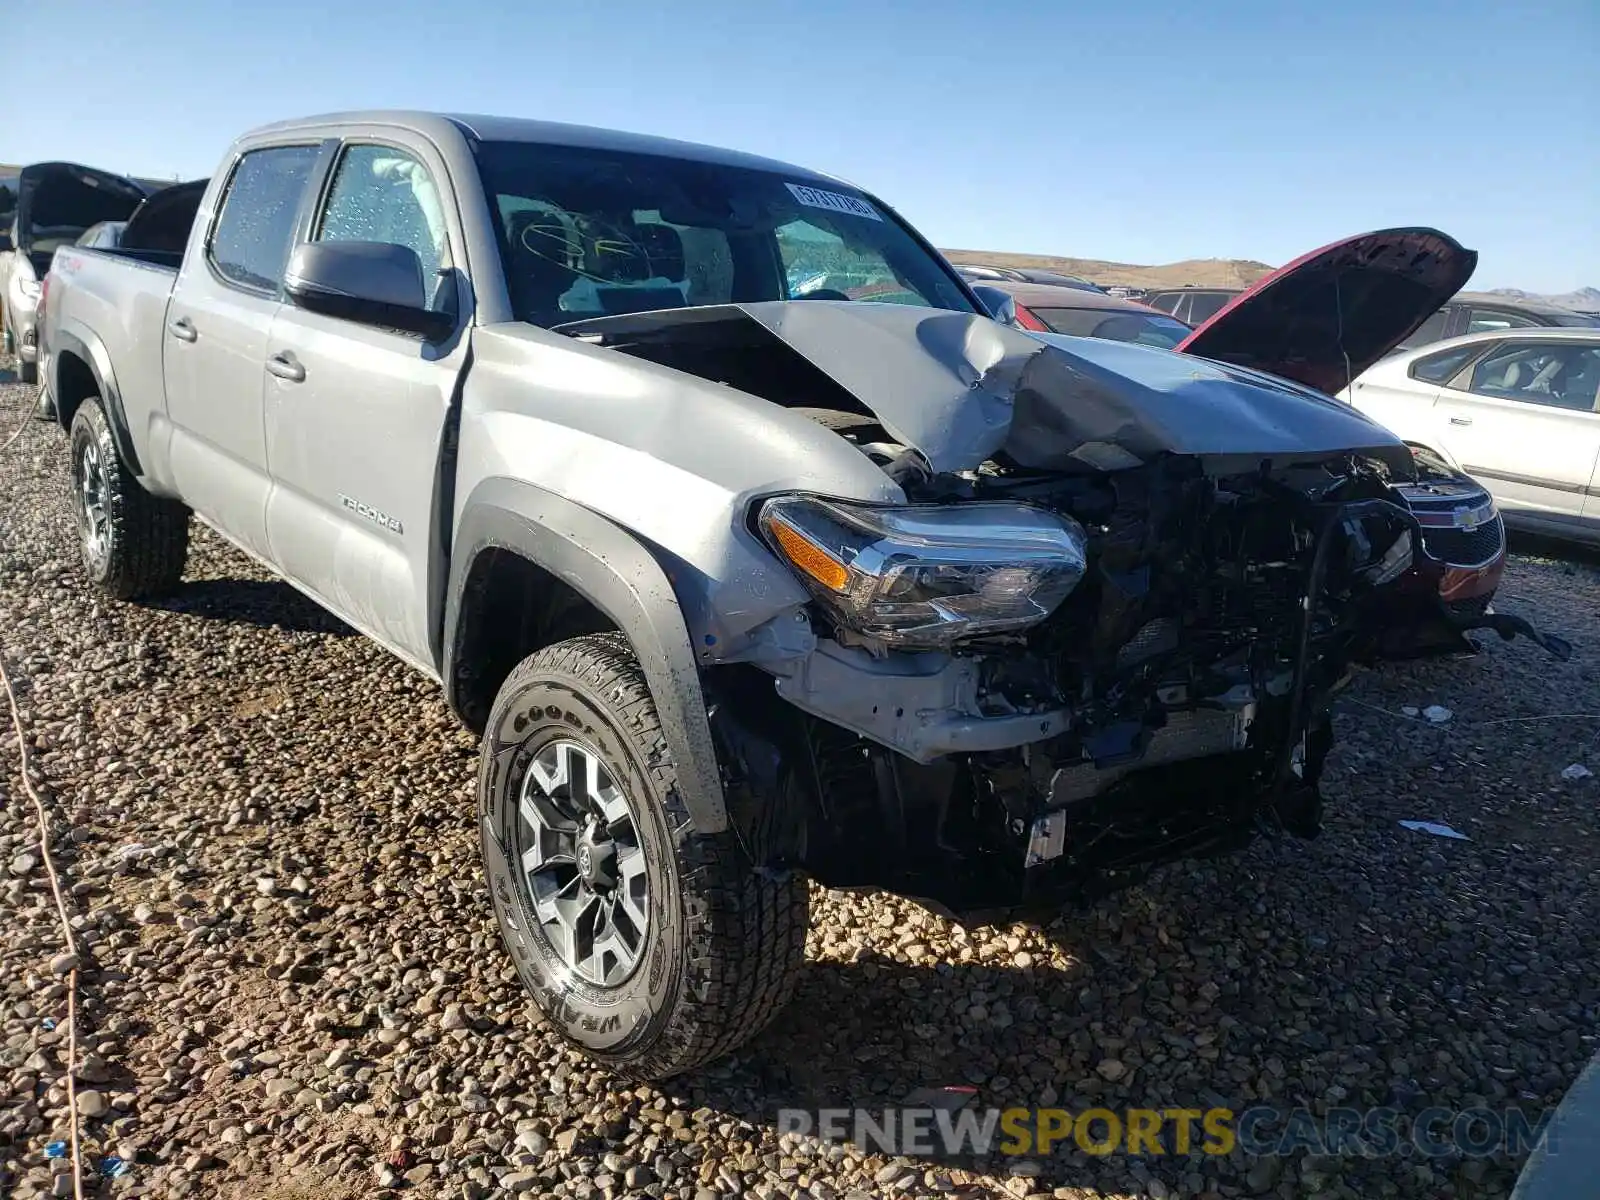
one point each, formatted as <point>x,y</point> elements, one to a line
<point>1515,408</point>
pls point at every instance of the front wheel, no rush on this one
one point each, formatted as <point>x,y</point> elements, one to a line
<point>648,944</point>
<point>132,543</point>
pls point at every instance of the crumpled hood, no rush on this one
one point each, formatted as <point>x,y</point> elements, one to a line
<point>1095,401</point>
<point>960,388</point>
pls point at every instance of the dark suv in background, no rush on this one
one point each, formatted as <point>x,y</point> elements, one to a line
<point>1195,305</point>
<point>1485,312</point>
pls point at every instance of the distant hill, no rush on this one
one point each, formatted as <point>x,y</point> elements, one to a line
<point>1585,299</point>
<point>1202,272</point>
<point>1206,272</point>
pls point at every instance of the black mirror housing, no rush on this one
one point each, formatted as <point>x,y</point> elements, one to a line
<point>372,283</point>
<point>997,302</point>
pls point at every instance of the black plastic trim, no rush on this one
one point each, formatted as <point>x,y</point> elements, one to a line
<point>105,381</point>
<point>616,573</point>
<point>1533,481</point>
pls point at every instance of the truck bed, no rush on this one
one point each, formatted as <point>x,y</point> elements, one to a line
<point>165,260</point>
<point>110,307</point>
<point>169,260</point>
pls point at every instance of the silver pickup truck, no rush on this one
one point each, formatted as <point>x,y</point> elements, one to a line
<point>754,548</point>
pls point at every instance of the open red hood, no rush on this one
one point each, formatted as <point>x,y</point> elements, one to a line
<point>1331,314</point>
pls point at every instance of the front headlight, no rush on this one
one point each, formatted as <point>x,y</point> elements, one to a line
<point>927,576</point>
<point>29,287</point>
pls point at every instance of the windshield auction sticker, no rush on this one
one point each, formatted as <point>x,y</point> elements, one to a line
<point>833,201</point>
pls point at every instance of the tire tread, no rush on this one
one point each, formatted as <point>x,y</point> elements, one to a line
<point>149,534</point>
<point>746,929</point>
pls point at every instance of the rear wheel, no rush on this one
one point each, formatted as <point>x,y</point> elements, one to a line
<point>133,544</point>
<point>650,945</point>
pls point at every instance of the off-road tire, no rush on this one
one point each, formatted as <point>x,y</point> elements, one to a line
<point>724,941</point>
<point>147,536</point>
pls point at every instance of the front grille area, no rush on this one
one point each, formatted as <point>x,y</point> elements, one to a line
<point>1460,547</point>
<point>1187,734</point>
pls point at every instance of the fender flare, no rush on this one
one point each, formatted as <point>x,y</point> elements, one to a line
<point>92,350</point>
<point>618,574</point>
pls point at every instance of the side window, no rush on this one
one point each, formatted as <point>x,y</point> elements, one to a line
<point>1205,305</point>
<point>1488,320</point>
<point>380,194</point>
<point>251,241</point>
<point>1441,367</point>
<point>1431,330</point>
<point>1550,374</point>
<point>817,260</point>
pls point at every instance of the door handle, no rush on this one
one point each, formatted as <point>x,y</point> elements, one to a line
<point>1461,420</point>
<point>286,366</point>
<point>182,329</point>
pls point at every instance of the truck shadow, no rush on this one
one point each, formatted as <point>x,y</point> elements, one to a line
<point>1050,1033</point>
<point>960,1026</point>
<point>259,602</point>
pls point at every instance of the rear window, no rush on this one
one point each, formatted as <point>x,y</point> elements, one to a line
<point>588,232</point>
<point>1204,306</point>
<point>1490,320</point>
<point>1430,330</point>
<point>1147,329</point>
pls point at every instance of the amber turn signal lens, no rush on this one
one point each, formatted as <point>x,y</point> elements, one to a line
<point>811,558</point>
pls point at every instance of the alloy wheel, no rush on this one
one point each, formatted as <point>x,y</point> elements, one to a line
<point>94,516</point>
<point>581,864</point>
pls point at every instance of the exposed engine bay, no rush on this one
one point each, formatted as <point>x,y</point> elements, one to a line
<point>1104,632</point>
<point>1181,690</point>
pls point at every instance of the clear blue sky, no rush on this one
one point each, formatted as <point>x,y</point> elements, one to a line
<point>1142,132</point>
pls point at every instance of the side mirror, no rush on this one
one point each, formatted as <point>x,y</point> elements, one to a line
<point>999,303</point>
<point>373,283</point>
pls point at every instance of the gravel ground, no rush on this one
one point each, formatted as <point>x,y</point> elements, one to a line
<point>293,986</point>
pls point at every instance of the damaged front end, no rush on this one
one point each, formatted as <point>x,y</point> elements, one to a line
<point>1104,632</point>
<point>1173,704</point>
